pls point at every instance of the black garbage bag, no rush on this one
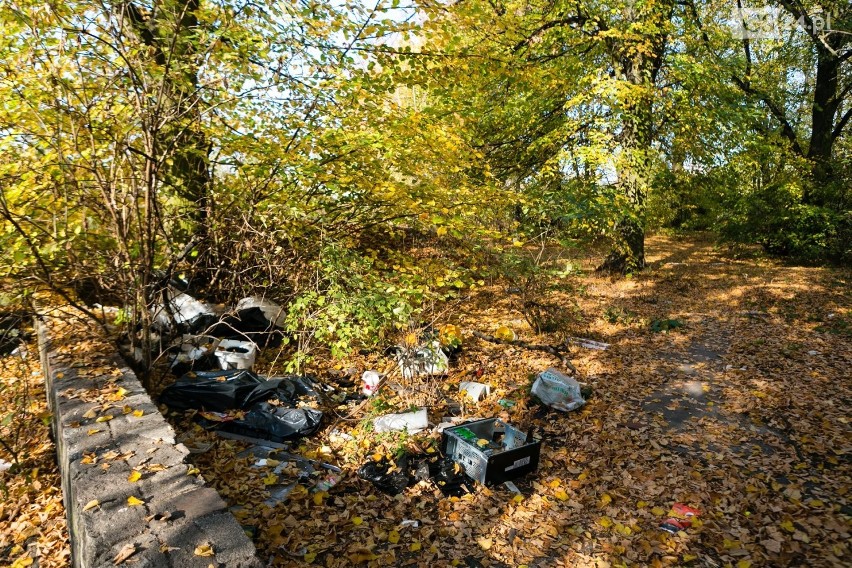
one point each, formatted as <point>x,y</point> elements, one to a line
<point>377,472</point>
<point>220,391</point>
<point>249,324</point>
<point>223,390</point>
<point>451,481</point>
<point>276,423</point>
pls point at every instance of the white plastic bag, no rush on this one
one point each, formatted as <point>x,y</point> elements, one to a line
<point>371,380</point>
<point>558,391</point>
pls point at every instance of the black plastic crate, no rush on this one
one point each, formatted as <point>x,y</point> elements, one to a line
<point>491,451</point>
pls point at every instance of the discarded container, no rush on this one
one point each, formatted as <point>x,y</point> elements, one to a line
<point>558,391</point>
<point>371,380</point>
<point>233,354</point>
<point>413,422</point>
<point>476,391</point>
<point>423,361</point>
<point>327,482</point>
<point>491,451</point>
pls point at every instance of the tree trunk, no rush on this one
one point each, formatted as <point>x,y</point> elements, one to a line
<point>637,59</point>
<point>824,109</point>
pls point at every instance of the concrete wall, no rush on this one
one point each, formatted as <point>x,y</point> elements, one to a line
<point>197,514</point>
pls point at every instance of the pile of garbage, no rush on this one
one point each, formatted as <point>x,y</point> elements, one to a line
<point>242,402</point>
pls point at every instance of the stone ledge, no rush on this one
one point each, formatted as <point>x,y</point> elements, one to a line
<point>196,514</point>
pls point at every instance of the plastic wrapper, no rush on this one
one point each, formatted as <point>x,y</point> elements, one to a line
<point>558,391</point>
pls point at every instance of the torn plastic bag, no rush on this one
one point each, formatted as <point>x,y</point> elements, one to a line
<point>377,472</point>
<point>190,315</point>
<point>558,391</point>
<point>411,468</point>
<point>428,360</point>
<point>273,312</point>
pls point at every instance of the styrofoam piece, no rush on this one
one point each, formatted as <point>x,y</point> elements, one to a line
<point>476,391</point>
<point>233,354</point>
<point>273,312</point>
<point>412,421</point>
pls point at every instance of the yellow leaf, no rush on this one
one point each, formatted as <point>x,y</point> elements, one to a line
<point>744,564</point>
<point>121,393</point>
<point>138,413</point>
<point>357,521</point>
<point>555,483</point>
<point>126,409</point>
<point>318,497</point>
<point>91,413</point>
<point>659,511</point>
<point>133,501</point>
<point>518,498</point>
<point>310,556</point>
<point>104,418</point>
<point>441,231</point>
<point>605,522</point>
<point>788,526</point>
<point>93,431</point>
<point>689,557</point>
<point>393,537</point>
<point>270,479</point>
<point>59,375</point>
<point>415,546</point>
<point>378,456</point>
<point>641,504</point>
<point>91,504</point>
<point>605,499</point>
<point>561,495</point>
<point>134,476</point>
<point>204,550</point>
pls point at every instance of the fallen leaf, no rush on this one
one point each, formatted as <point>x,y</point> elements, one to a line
<point>138,413</point>
<point>203,550</point>
<point>357,521</point>
<point>91,504</point>
<point>415,546</point>
<point>104,418</point>
<point>126,552</point>
<point>393,537</point>
<point>485,543</point>
<point>134,476</point>
<point>133,501</point>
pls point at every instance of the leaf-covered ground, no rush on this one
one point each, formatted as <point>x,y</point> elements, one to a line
<point>735,405</point>
<point>32,518</point>
<point>726,387</point>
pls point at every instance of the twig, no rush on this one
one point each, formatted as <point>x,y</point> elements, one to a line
<point>560,351</point>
